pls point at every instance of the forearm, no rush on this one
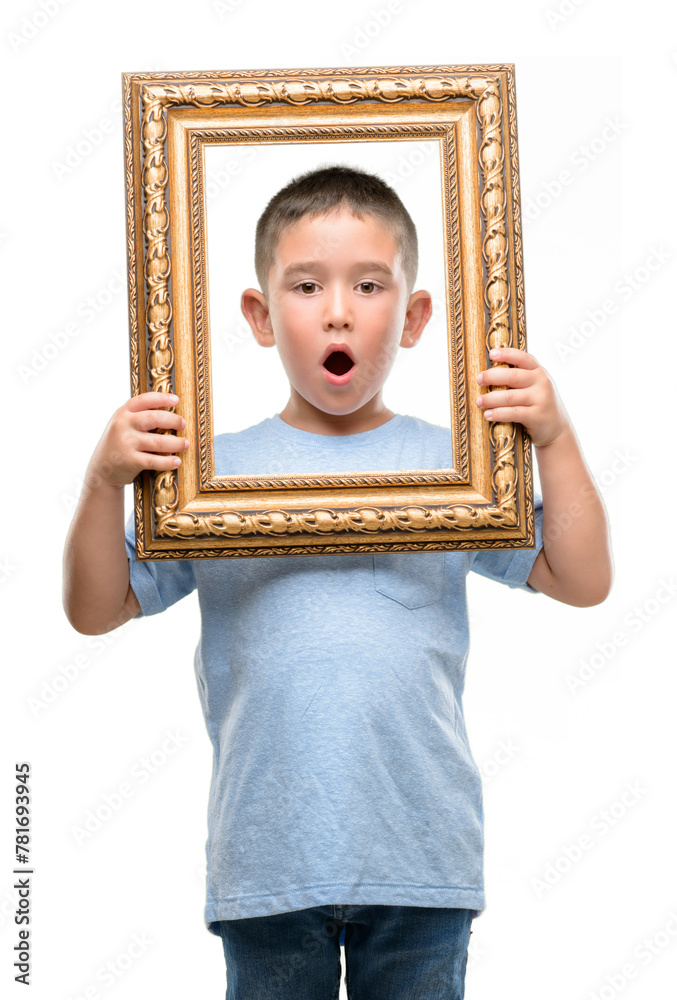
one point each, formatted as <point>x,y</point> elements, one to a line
<point>575,527</point>
<point>96,570</point>
<point>97,596</point>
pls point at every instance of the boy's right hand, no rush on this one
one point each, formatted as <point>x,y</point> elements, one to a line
<point>128,445</point>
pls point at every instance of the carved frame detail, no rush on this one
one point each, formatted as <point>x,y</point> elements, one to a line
<point>256,525</point>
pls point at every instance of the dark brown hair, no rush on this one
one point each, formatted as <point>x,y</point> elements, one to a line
<point>327,189</point>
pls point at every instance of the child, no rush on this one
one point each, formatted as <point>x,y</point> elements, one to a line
<point>344,795</point>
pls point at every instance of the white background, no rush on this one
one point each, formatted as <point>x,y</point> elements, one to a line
<point>594,92</point>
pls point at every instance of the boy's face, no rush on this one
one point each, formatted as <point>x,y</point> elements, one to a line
<point>337,309</point>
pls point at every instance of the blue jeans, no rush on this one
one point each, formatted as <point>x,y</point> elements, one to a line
<point>391,952</point>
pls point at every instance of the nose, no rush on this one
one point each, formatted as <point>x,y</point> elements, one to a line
<point>338,311</point>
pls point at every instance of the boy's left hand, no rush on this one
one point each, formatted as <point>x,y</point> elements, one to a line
<point>530,400</point>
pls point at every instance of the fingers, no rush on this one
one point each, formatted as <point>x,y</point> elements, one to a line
<point>137,437</point>
<point>141,419</point>
<point>526,395</point>
<point>508,414</point>
<point>151,400</point>
<point>157,451</point>
<point>157,463</point>
<point>525,370</point>
<point>513,356</point>
<point>497,404</point>
<point>517,378</point>
<point>147,420</point>
<point>162,443</point>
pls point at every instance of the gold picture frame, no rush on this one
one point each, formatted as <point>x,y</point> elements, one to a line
<point>486,500</point>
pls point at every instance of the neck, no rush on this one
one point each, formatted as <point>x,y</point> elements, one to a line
<point>301,414</point>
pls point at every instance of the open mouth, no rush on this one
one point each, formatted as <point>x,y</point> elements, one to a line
<point>338,363</point>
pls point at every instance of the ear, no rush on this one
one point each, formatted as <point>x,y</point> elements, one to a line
<point>419,311</point>
<point>255,310</point>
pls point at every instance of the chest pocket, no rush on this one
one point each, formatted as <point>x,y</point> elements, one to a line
<point>413,579</point>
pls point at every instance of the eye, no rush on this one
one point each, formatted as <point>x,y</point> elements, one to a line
<point>367,286</point>
<point>307,287</point>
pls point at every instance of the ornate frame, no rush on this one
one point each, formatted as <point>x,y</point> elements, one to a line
<point>487,500</point>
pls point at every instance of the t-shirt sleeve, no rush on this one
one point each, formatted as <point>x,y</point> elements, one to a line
<point>157,583</point>
<point>511,566</point>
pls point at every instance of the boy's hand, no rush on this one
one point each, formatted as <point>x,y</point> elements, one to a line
<point>128,444</point>
<point>530,400</point>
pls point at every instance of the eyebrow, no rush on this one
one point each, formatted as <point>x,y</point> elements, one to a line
<point>306,266</point>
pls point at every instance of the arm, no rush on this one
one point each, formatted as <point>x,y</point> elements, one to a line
<point>574,565</point>
<point>97,595</point>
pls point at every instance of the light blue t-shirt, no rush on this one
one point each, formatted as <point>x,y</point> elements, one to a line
<point>332,692</point>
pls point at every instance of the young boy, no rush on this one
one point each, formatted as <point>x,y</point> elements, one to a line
<point>344,795</point>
